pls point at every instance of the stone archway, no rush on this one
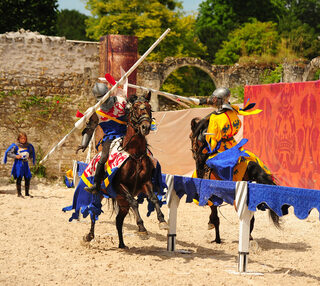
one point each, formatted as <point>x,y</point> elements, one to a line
<point>153,75</point>
<point>172,64</point>
<point>311,69</point>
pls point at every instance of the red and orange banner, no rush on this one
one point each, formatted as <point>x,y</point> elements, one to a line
<point>286,135</point>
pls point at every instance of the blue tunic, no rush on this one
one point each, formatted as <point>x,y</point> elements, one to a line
<point>20,167</point>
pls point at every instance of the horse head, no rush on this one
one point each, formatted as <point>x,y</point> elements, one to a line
<point>197,137</point>
<point>140,114</point>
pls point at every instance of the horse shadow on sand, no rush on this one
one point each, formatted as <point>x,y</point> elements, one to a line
<point>186,250</point>
<point>190,251</point>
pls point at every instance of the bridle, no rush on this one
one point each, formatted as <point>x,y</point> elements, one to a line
<point>136,120</point>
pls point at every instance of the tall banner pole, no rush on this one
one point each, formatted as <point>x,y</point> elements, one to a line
<point>81,122</point>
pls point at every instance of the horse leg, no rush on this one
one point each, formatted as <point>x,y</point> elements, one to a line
<point>215,221</point>
<point>123,211</point>
<point>134,205</point>
<point>251,226</point>
<point>90,235</point>
<point>154,199</point>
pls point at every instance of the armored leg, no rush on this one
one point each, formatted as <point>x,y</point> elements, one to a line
<point>99,174</point>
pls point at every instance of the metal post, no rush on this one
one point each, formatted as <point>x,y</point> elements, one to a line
<point>244,229</point>
<point>173,203</point>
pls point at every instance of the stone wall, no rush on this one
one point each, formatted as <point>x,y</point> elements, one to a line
<point>43,81</point>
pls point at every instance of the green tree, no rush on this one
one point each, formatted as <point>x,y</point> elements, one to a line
<point>71,24</point>
<point>217,18</point>
<point>147,20</point>
<point>304,11</point>
<point>31,15</point>
<point>189,81</point>
<point>301,27</point>
<point>254,38</point>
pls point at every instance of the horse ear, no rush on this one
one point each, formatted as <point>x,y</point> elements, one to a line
<point>148,96</point>
<point>132,98</point>
<point>194,123</point>
<point>201,125</point>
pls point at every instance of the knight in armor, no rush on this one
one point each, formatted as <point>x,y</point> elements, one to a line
<point>111,117</point>
<point>21,152</point>
<point>224,124</point>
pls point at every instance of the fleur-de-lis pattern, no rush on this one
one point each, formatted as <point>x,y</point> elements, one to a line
<point>286,134</point>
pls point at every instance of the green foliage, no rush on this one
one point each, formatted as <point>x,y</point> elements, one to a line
<point>186,81</point>
<point>272,76</point>
<point>217,18</point>
<point>71,24</point>
<point>298,23</point>
<point>214,22</point>
<point>317,75</point>
<point>302,39</point>
<point>38,169</point>
<point>12,180</point>
<point>189,81</point>
<point>44,106</point>
<point>237,94</point>
<point>36,109</point>
<point>31,15</point>
<point>254,38</point>
<point>147,20</point>
<point>301,12</point>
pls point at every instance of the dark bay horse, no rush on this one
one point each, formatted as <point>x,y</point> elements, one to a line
<point>135,174</point>
<point>254,172</point>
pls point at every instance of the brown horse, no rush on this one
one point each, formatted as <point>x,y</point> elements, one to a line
<point>254,172</point>
<point>135,174</point>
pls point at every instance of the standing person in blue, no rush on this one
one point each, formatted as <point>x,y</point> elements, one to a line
<point>111,117</point>
<point>21,152</point>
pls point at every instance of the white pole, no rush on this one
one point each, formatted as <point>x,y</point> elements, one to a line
<point>244,229</point>
<point>168,95</point>
<point>76,178</point>
<point>80,123</point>
<point>173,203</point>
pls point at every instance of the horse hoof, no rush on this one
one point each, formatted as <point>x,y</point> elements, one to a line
<point>122,246</point>
<point>218,241</point>
<point>143,233</point>
<point>163,225</point>
<point>88,237</point>
<point>210,226</point>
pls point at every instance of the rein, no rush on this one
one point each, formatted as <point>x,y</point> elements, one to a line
<point>134,122</point>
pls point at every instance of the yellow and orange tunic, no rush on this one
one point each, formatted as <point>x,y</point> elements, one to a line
<point>220,138</point>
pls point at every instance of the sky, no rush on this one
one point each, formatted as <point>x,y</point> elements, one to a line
<point>188,5</point>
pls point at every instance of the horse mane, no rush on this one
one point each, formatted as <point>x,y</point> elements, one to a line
<point>198,125</point>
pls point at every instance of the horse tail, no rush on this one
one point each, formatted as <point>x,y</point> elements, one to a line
<point>275,219</point>
<point>257,174</point>
<point>115,206</point>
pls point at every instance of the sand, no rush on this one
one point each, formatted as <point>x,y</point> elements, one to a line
<point>40,247</point>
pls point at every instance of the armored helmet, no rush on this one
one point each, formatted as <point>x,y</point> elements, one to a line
<point>99,90</point>
<point>220,98</point>
<point>221,92</point>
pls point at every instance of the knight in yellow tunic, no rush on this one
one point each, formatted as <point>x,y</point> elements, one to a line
<point>227,157</point>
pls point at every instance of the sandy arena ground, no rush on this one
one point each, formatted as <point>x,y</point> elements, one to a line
<point>40,247</point>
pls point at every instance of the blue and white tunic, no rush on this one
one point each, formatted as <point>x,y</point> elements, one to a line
<point>20,167</point>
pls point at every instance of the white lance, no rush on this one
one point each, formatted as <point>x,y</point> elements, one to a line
<point>173,97</point>
<point>81,122</point>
